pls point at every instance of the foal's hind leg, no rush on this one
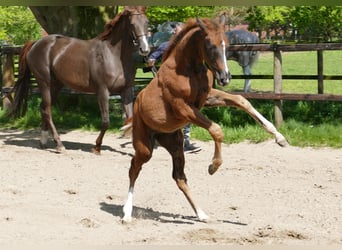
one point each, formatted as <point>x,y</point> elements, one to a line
<point>143,144</point>
<point>174,145</point>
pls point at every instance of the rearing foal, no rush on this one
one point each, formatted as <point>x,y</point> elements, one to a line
<point>174,98</point>
<point>103,65</point>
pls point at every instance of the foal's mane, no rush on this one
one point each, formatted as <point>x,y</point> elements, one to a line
<point>109,27</point>
<point>190,24</point>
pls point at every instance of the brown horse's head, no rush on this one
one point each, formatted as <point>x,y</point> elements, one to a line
<point>215,44</point>
<point>132,21</point>
<point>139,25</point>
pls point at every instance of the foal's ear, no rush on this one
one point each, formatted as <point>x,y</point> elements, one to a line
<point>142,9</point>
<point>223,19</point>
<point>202,25</point>
<point>136,8</point>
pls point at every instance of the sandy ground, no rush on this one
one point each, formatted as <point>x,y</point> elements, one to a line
<point>263,194</point>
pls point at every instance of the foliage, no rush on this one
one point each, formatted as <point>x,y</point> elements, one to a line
<point>317,23</point>
<point>268,18</point>
<point>160,14</point>
<point>309,23</point>
<point>18,25</point>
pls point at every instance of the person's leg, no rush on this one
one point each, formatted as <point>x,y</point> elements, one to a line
<point>188,147</point>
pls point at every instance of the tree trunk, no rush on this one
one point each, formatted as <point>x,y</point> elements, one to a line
<point>83,22</point>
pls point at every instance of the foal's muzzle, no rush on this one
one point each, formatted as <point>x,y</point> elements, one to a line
<point>223,77</point>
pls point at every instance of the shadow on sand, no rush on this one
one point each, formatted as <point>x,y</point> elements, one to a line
<point>30,139</point>
<point>150,214</point>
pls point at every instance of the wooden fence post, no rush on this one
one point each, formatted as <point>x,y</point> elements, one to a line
<point>7,77</point>
<point>277,72</point>
<point>320,71</point>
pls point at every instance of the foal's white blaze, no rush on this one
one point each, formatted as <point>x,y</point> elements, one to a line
<point>224,58</point>
<point>128,208</point>
<point>44,137</point>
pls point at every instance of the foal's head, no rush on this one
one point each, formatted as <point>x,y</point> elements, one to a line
<point>215,44</point>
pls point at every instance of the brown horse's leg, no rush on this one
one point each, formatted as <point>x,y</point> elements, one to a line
<point>103,99</point>
<point>174,145</point>
<point>127,102</point>
<point>143,144</point>
<point>47,121</point>
<point>220,98</point>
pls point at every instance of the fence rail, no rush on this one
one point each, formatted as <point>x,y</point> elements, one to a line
<point>7,75</point>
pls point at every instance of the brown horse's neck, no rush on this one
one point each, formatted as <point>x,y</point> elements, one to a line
<point>121,31</point>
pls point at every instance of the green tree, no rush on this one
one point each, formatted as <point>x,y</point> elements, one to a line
<point>309,23</point>
<point>235,15</point>
<point>18,25</point>
<point>272,19</point>
<point>317,23</point>
<point>160,14</point>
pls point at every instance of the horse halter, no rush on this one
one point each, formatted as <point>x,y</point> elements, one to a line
<point>135,36</point>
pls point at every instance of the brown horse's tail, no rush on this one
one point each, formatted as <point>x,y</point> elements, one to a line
<point>22,86</point>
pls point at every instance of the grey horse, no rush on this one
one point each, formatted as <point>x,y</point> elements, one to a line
<point>246,59</point>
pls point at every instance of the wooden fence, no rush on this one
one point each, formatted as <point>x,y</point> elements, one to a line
<point>7,75</point>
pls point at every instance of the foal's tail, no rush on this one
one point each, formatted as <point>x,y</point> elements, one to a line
<point>22,86</point>
<point>127,128</point>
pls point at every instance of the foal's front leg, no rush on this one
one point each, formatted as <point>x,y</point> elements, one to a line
<point>219,98</point>
<point>216,133</point>
<point>194,115</point>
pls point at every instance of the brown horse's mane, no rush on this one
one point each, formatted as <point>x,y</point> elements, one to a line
<point>109,27</point>
<point>190,24</point>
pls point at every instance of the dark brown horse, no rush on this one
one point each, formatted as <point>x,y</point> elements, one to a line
<point>103,65</point>
<point>174,97</point>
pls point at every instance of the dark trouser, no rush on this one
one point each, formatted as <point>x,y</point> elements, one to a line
<point>186,132</point>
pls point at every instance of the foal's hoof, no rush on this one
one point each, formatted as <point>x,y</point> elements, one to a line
<point>202,216</point>
<point>126,220</point>
<point>214,166</point>
<point>280,139</point>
